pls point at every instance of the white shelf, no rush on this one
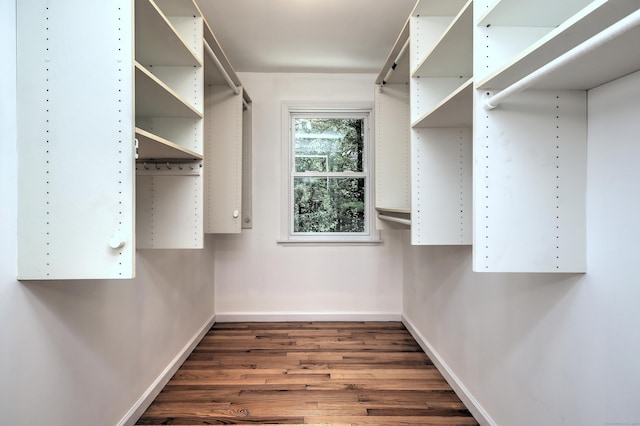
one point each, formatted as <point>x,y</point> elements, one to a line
<point>400,74</point>
<point>178,7</point>
<point>540,13</point>
<point>580,27</point>
<point>438,7</point>
<point>393,210</point>
<point>456,110</point>
<point>452,54</point>
<point>153,147</point>
<point>157,41</point>
<point>156,99</point>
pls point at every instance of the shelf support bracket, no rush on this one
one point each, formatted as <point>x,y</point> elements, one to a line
<point>627,23</point>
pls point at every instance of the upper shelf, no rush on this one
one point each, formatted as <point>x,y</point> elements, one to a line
<point>540,13</point>
<point>438,7</point>
<point>153,147</point>
<point>456,110</point>
<point>400,58</point>
<point>178,7</point>
<point>156,99</point>
<point>157,41</point>
<point>452,55</point>
<point>597,16</point>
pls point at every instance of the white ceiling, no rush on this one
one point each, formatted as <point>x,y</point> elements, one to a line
<point>351,36</point>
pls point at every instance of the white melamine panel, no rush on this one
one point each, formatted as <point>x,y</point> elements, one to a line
<point>247,166</point>
<point>190,28</point>
<point>502,64</point>
<point>452,53</point>
<point>169,211</point>
<point>441,186</point>
<point>158,42</point>
<point>542,13</point>
<point>425,32</point>
<point>75,140</point>
<point>529,184</point>
<point>398,59</point>
<point>438,7</point>
<point>494,47</point>
<point>223,160</point>
<point>153,147</point>
<point>156,99</point>
<point>392,171</point>
<point>429,93</point>
<point>184,132</point>
<point>186,82</point>
<point>178,8</point>
<point>456,110</point>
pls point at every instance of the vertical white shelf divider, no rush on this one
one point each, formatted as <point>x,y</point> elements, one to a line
<point>441,117</point>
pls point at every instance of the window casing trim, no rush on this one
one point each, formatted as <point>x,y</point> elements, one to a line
<point>333,109</point>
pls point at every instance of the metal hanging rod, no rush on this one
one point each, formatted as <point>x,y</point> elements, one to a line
<point>394,219</point>
<point>629,22</point>
<point>394,65</point>
<point>224,72</point>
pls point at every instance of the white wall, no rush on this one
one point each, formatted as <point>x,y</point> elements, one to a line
<point>83,352</point>
<point>254,274</point>
<point>550,349</point>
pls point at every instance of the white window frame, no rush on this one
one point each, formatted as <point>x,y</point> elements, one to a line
<point>289,109</point>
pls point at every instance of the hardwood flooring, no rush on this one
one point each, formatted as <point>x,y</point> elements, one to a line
<point>371,373</point>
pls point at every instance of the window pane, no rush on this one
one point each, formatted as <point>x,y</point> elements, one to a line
<point>329,204</point>
<point>337,144</point>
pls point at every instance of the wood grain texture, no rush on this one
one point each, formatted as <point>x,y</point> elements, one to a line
<point>340,373</point>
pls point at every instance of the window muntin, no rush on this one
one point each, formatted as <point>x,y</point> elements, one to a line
<point>329,178</point>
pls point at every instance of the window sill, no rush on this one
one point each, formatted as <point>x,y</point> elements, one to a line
<point>335,242</point>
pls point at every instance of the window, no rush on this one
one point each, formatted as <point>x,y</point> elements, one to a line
<point>328,175</point>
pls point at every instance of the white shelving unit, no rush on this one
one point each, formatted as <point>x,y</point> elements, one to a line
<point>441,117</point>
<point>392,139</point>
<point>531,64</point>
<point>530,151</point>
<point>523,36</point>
<point>141,77</point>
<point>227,147</point>
<point>169,104</point>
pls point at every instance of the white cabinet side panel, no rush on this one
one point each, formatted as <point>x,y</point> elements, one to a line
<point>75,140</point>
<point>392,172</point>
<point>223,160</point>
<point>441,165</point>
<point>169,212</point>
<point>530,183</point>
<point>247,168</point>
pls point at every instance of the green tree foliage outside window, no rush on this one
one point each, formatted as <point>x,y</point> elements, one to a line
<point>329,181</point>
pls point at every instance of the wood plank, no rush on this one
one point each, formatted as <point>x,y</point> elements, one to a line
<point>308,373</point>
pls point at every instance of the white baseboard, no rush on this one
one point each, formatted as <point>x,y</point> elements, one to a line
<point>299,316</point>
<point>152,391</point>
<point>459,388</point>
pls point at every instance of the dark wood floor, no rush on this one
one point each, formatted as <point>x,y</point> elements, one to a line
<point>308,373</point>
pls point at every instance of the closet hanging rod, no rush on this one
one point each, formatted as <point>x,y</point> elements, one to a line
<point>224,72</point>
<point>394,65</point>
<point>627,23</point>
<point>394,219</point>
